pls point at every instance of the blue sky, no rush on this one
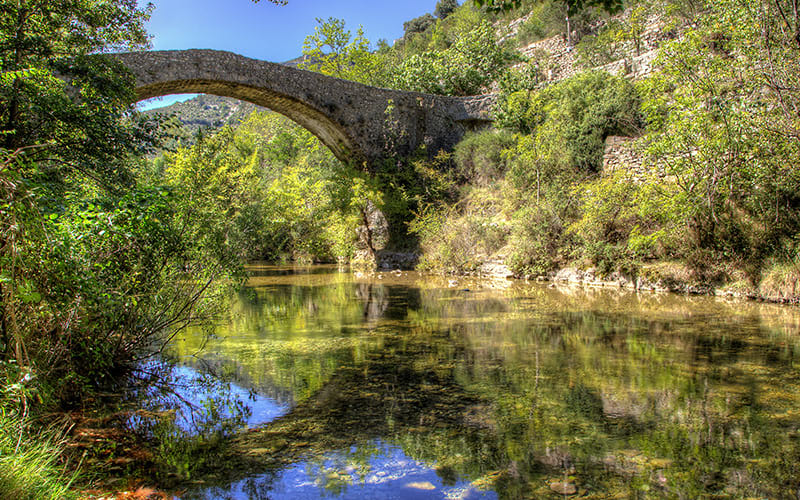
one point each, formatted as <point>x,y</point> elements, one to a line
<point>267,31</point>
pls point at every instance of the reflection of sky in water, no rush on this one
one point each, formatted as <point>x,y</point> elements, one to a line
<point>190,387</point>
<point>263,409</point>
<point>519,389</point>
<point>390,475</point>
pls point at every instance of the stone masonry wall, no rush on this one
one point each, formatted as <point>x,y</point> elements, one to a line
<point>560,60</point>
<point>355,121</point>
<point>623,153</point>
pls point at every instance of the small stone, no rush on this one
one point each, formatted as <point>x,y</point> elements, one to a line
<point>563,488</point>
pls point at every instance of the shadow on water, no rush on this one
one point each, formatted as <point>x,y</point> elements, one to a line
<point>400,386</point>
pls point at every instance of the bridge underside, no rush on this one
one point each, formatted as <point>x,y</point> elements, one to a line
<point>329,132</point>
<point>361,124</point>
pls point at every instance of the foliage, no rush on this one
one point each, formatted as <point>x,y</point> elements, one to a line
<point>479,157</point>
<point>97,268</point>
<point>457,237</point>
<point>31,464</point>
<point>619,37</point>
<point>720,122</point>
<point>332,51</point>
<point>574,6</point>
<point>444,8</point>
<point>624,220</point>
<point>418,24</point>
<point>539,177</point>
<point>262,186</point>
<point>188,120</point>
<point>457,241</point>
<point>103,280</point>
<point>546,18</point>
<point>471,63</point>
<point>538,193</point>
<point>42,44</point>
<point>579,112</point>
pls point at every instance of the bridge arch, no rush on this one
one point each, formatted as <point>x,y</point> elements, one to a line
<point>357,122</point>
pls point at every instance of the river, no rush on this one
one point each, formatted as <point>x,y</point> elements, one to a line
<point>401,385</point>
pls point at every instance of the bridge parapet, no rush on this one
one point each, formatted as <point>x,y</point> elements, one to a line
<point>357,122</point>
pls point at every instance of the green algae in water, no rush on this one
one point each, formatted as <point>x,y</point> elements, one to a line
<point>503,390</point>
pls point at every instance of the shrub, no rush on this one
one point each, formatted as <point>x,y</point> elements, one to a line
<point>572,118</point>
<point>444,8</point>
<point>546,19</point>
<point>622,220</point>
<point>471,63</point>
<point>537,240</point>
<point>479,157</point>
<point>456,241</point>
<point>418,24</point>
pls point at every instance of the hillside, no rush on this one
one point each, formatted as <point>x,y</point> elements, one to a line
<point>204,112</point>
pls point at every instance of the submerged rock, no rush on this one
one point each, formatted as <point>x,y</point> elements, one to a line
<point>564,488</point>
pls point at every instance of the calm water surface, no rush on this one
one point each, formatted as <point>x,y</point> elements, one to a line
<point>400,385</point>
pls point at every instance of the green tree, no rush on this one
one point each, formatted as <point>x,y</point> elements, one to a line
<point>723,123</point>
<point>571,119</point>
<point>444,8</point>
<point>471,63</point>
<point>332,50</point>
<point>45,44</point>
<point>418,25</point>
<point>61,116</point>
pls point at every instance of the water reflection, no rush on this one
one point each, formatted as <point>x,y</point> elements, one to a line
<point>513,391</point>
<point>373,470</point>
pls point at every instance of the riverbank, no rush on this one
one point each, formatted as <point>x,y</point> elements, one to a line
<point>345,397</point>
<point>375,367</point>
<point>780,286</point>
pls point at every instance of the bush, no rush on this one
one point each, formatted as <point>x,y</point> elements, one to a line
<point>622,220</point>
<point>537,240</point>
<point>418,25</point>
<point>471,63</point>
<point>445,7</point>
<point>572,118</point>
<point>546,19</point>
<point>480,158</point>
<point>457,241</point>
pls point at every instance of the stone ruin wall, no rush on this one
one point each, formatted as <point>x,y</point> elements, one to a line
<point>621,153</point>
<point>561,62</point>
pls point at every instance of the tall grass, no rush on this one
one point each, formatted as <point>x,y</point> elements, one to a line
<point>30,465</point>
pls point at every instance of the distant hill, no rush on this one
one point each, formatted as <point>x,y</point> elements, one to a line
<point>204,112</point>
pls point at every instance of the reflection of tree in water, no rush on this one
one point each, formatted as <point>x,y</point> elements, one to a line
<point>375,300</point>
<point>385,398</point>
<point>514,392</point>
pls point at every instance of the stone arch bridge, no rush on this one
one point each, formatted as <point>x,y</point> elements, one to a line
<point>357,122</point>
